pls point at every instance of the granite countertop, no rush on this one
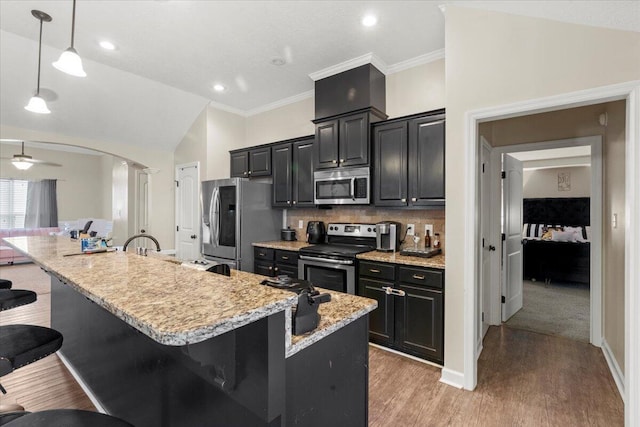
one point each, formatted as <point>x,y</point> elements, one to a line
<point>175,304</point>
<point>433,262</point>
<point>283,245</point>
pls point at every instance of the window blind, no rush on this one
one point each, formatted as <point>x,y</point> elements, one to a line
<point>13,203</point>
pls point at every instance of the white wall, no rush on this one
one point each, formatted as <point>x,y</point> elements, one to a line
<point>225,131</point>
<point>493,59</point>
<point>416,89</point>
<point>544,182</point>
<point>290,121</point>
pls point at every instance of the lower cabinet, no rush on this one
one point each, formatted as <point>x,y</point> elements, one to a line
<point>410,313</point>
<point>275,262</point>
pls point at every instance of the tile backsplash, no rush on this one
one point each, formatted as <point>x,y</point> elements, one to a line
<point>371,215</point>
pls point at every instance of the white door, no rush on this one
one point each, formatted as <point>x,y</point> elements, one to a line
<point>487,240</point>
<point>187,212</point>
<point>512,229</point>
<point>142,214</point>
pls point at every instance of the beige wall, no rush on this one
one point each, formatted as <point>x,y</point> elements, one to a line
<point>493,59</point>
<point>79,178</point>
<point>290,121</point>
<point>544,182</point>
<point>193,146</point>
<point>161,199</point>
<point>416,89</point>
<point>225,131</point>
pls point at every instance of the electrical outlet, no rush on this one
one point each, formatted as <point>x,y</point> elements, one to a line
<point>411,228</point>
<point>300,224</point>
<point>429,228</point>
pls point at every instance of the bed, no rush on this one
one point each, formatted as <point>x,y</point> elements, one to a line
<point>563,259</point>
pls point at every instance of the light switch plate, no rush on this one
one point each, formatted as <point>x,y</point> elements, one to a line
<point>411,228</point>
<point>428,227</point>
<point>300,224</point>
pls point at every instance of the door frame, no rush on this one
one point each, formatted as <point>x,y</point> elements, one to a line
<point>628,91</point>
<point>596,218</point>
<point>176,237</point>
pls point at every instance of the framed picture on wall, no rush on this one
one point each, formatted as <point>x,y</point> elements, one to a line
<point>564,181</point>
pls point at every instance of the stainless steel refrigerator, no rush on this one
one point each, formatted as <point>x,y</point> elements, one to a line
<point>235,213</point>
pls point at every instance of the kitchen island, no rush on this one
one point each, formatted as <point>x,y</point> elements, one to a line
<point>157,343</point>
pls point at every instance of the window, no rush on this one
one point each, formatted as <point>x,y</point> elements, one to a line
<point>13,203</point>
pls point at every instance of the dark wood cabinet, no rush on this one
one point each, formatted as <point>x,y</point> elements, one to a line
<point>303,172</point>
<point>293,173</point>
<point>410,313</point>
<point>270,262</point>
<point>282,176</point>
<point>343,141</point>
<point>254,162</point>
<point>409,161</point>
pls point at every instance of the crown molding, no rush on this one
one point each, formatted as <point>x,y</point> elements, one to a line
<point>436,55</point>
<point>367,58</point>
<point>227,108</point>
<point>280,103</point>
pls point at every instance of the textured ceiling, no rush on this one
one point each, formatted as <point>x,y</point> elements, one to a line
<point>169,55</point>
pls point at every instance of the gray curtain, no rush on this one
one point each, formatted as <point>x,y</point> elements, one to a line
<point>42,204</point>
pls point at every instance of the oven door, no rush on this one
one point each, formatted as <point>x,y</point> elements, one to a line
<point>328,274</point>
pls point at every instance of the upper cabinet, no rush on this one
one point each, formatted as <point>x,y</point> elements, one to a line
<point>252,162</point>
<point>293,173</point>
<point>409,161</point>
<point>344,141</point>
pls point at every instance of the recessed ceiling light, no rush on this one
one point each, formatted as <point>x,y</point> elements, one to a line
<point>218,88</point>
<point>369,20</point>
<point>105,44</point>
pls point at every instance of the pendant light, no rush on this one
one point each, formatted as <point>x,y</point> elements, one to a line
<point>69,61</point>
<point>36,103</point>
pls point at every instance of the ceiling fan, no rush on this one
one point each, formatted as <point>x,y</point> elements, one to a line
<point>24,161</point>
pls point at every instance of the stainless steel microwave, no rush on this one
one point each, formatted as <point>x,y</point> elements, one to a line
<point>343,186</point>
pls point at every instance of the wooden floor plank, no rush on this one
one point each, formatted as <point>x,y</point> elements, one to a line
<point>524,379</point>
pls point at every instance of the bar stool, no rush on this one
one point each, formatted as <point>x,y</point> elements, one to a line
<point>5,284</point>
<point>67,418</point>
<point>12,298</point>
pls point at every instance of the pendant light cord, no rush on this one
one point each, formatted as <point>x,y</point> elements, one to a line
<point>73,22</point>
<point>39,58</point>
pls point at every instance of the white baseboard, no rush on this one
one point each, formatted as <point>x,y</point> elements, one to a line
<point>452,378</point>
<point>616,372</point>
<point>82,384</point>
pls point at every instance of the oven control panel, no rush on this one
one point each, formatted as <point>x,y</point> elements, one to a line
<point>351,230</point>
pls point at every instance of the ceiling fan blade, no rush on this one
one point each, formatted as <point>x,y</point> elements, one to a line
<point>42,162</point>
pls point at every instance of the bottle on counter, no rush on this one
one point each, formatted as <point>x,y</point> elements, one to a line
<point>436,240</point>
<point>427,239</point>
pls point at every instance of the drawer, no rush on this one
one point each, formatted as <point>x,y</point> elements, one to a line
<point>264,268</point>
<point>289,270</point>
<point>287,257</point>
<point>264,254</point>
<point>377,270</point>
<point>420,276</point>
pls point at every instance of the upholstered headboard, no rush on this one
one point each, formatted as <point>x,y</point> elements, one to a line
<point>569,211</point>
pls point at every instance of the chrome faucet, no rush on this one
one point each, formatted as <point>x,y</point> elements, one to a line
<point>148,236</point>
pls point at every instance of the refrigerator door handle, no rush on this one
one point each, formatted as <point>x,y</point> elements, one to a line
<point>214,217</point>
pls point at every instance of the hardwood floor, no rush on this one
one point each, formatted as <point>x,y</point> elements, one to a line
<point>524,379</point>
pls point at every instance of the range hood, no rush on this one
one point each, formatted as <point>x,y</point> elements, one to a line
<point>360,88</point>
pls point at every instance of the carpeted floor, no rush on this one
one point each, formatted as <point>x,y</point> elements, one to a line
<point>560,309</point>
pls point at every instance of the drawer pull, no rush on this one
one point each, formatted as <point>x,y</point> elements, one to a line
<point>398,292</point>
<point>270,268</point>
<point>261,253</point>
<point>387,290</point>
<point>373,270</point>
<point>285,257</point>
<point>415,276</point>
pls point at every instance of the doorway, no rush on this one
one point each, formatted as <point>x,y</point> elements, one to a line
<point>555,243</point>
<point>188,212</point>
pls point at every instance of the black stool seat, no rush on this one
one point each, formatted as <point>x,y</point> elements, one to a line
<point>12,298</point>
<point>5,284</point>
<point>24,344</point>
<point>10,416</point>
<point>68,418</point>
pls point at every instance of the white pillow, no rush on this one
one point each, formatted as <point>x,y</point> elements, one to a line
<point>564,236</point>
<point>578,233</point>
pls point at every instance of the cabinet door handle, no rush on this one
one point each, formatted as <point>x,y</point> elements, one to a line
<point>373,270</point>
<point>334,161</point>
<point>415,276</point>
<point>284,257</point>
<point>270,268</point>
<point>341,160</point>
<point>249,172</point>
<point>413,199</point>
<point>387,290</point>
<point>288,202</point>
<point>398,292</point>
<point>403,200</point>
<point>294,202</point>
<point>245,172</point>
